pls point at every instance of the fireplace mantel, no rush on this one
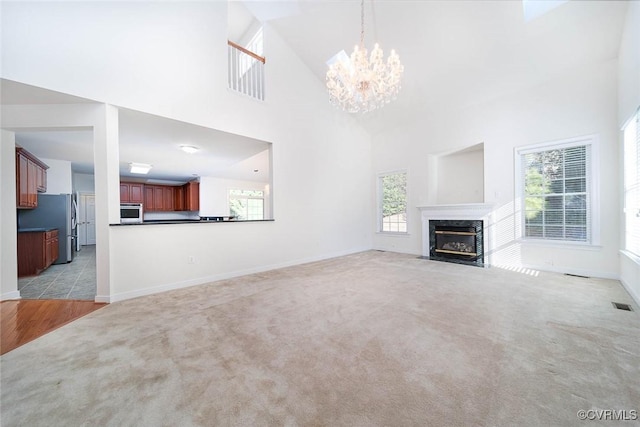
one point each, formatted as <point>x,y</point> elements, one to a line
<point>459,211</point>
<point>465,211</point>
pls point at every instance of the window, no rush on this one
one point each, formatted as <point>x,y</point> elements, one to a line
<point>246,204</point>
<point>556,186</point>
<point>632,185</point>
<point>392,208</point>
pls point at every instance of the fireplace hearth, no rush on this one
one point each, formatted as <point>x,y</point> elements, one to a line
<point>457,241</point>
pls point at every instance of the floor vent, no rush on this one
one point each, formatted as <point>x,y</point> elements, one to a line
<point>621,306</point>
<point>577,275</point>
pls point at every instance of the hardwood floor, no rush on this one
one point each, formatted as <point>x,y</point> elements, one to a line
<point>26,320</point>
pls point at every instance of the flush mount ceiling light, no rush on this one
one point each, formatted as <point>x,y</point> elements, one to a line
<point>359,84</point>
<point>140,168</point>
<point>189,149</point>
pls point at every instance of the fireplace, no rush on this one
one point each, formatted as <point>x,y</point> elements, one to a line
<point>458,241</point>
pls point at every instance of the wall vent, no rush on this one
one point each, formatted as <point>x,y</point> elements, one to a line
<point>622,306</point>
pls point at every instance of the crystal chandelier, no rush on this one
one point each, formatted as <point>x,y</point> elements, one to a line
<point>361,84</point>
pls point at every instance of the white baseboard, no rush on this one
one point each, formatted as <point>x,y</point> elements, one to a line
<point>222,276</point>
<point>396,251</point>
<point>631,292</point>
<point>563,270</point>
<point>102,298</point>
<point>630,271</point>
<point>10,295</point>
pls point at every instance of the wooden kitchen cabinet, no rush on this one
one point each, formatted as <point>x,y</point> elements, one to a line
<point>51,250</point>
<point>192,196</point>
<point>32,183</point>
<point>136,193</point>
<point>124,192</point>
<point>179,199</point>
<point>22,182</point>
<point>131,192</point>
<point>41,180</point>
<point>37,250</point>
<point>167,198</point>
<point>31,179</point>
<point>162,198</point>
<point>157,198</point>
<point>148,203</point>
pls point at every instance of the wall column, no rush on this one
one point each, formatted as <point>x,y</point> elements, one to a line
<point>107,179</point>
<point>8,235</point>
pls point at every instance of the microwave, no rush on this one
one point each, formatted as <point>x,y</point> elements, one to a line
<point>130,213</point>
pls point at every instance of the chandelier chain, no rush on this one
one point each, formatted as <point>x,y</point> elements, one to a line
<point>362,83</point>
<point>362,23</point>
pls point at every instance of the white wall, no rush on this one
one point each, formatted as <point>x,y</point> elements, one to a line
<point>83,182</point>
<point>169,59</point>
<point>59,179</point>
<point>579,102</point>
<point>461,177</point>
<point>628,103</point>
<point>629,65</point>
<point>8,221</point>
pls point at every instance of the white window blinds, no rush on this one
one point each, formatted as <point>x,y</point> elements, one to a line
<point>557,192</point>
<point>632,185</point>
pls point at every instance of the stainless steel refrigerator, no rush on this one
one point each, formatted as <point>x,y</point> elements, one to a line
<point>54,211</point>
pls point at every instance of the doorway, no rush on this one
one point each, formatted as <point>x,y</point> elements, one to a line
<point>86,219</point>
<point>69,155</point>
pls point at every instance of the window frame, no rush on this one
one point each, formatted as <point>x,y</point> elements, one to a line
<point>628,187</point>
<point>379,200</point>
<point>593,189</point>
<point>230,196</point>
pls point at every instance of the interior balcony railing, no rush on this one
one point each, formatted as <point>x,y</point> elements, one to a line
<point>246,71</point>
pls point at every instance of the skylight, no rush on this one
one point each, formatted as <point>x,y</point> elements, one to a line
<point>535,8</point>
<point>339,57</point>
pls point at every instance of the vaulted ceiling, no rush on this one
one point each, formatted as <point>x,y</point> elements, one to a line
<point>455,53</point>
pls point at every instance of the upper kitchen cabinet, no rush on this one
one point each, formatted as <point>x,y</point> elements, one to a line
<point>31,179</point>
<point>168,198</point>
<point>131,192</point>
<point>179,199</point>
<point>192,196</point>
<point>159,198</point>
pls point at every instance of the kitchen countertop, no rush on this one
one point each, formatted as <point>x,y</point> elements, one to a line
<point>36,230</point>
<point>191,221</point>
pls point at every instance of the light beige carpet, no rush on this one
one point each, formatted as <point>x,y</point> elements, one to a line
<point>363,340</point>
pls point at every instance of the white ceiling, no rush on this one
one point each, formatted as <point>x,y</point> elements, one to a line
<point>144,138</point>
<point>455,53</point>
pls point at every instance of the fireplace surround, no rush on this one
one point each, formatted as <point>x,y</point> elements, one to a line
<point>458,241</point>
<point>472,223</point>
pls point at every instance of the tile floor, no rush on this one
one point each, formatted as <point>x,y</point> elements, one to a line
<point>75,280</point>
